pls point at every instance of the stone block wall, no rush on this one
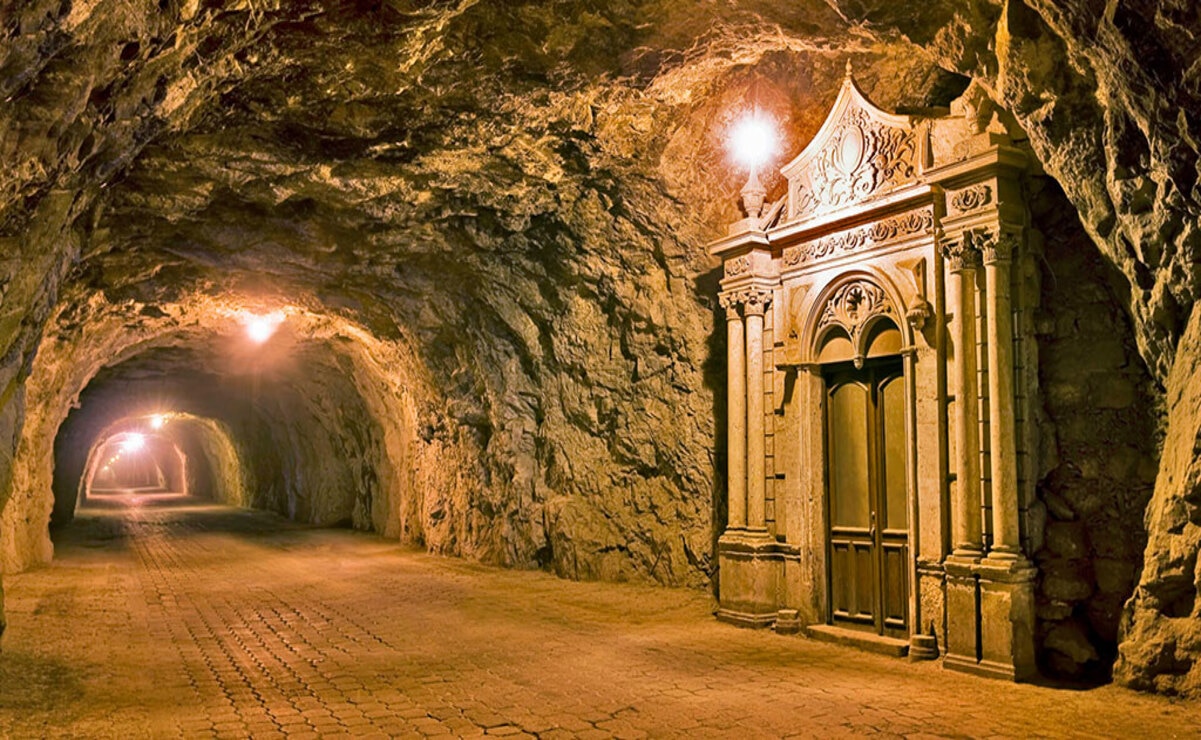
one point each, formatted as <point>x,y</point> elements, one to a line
<point>1099,459</point>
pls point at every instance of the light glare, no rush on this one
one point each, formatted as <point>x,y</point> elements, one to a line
<point>260,328</point>
<point>133,443</point>
<point>158,421</point>
<point>753,140</point>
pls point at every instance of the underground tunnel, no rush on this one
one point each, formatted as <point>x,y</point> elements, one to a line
<point>844,322</point>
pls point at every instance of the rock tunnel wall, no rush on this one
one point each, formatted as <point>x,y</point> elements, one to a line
<point>262,442</point>
<point>518,218</point>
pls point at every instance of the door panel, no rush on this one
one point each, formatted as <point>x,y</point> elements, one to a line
<point>850,490</point>
<point>867,498</point>
<point>895,586</point>
<point>892,414</point>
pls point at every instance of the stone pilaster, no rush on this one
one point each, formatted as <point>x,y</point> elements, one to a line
<point>998,252</point>
<point>755,301</point>
<point>750,563</point>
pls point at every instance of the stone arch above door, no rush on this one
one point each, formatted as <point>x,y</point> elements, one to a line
<point>857,316</point>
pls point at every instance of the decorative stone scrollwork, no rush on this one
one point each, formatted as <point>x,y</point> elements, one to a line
<point>971,198</point>
<point>738,266</point>
<point>881,232</point>
<point>852,305</point>
<point>862,157</point>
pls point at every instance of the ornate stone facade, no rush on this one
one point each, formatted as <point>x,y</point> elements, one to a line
<point>881,386</point>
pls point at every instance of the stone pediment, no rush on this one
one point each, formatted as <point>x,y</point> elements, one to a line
<point>860,153</point>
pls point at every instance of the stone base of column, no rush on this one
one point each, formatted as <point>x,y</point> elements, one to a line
<point>750,564</point>
<point>922,647</point>
<point>963,614</point>
<point>788,622</point>
<point>1007,618</point>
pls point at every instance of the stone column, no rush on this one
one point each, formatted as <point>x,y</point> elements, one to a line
<point>967,538</point>
<point>756,488</point>
<point>962,582</point>
<point>1006,578</point>
<point>736,415</point>
<point>1007,544</point>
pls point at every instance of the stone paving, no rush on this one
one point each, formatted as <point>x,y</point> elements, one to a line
<point>217,622</point>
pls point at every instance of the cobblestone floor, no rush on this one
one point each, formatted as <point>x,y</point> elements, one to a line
<point>208,621</point>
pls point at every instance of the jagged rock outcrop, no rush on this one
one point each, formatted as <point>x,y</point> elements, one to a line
<point>489,216</point>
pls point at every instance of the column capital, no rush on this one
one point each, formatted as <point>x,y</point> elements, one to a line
<point>962,254</point>
<point>730,301</point>
<point>755,300</point>
<point>992,245</point>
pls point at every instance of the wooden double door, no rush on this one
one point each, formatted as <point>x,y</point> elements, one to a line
<point>867,501</point>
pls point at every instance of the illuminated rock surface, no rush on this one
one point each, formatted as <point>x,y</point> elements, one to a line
<point>488,220</point>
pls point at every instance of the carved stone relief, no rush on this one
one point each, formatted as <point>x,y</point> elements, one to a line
<point>852,305</point>
<point>971,198</point>
<point>864,237</point>
<point>738,266</point>
<point>861,158</point>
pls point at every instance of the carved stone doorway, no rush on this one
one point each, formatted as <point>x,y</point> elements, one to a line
<point>867,497</point>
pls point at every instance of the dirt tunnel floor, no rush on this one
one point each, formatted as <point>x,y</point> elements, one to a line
<point>205,620</point>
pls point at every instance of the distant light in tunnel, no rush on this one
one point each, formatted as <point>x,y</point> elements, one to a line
<point>260,328</point>
<point>753,140</point>
<point>133,443</point>
<point>158,421</point>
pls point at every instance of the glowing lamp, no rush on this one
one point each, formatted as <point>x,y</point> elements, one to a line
<point>752,142</point>
<point>260,328</point>
<point>158,421</point>
<point>133,443</point>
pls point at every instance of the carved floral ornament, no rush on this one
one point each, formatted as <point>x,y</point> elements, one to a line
<point>880,232</point>
<point>860,158</point>
<point>971,198</point>
<point>852,305</point>
<point>738,266</point>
